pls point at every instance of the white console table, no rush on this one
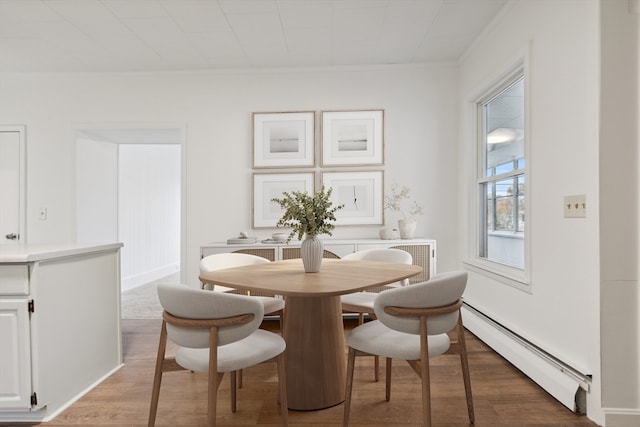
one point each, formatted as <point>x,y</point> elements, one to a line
<point>60,326</point>
<point>422,250</point>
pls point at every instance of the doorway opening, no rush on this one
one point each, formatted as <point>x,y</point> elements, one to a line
<point>129,190</point>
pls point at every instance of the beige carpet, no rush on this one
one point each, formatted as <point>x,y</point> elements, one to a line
<point>142,302</point>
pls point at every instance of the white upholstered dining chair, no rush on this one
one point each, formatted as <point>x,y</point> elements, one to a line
<point>362,302</point>
<point>216,333</point>
<point>272,306</point>
<point>413,325</point>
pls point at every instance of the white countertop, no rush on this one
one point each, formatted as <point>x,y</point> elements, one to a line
<point>28,253</point>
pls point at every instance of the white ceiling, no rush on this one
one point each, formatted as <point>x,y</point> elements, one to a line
<point>150,35</point>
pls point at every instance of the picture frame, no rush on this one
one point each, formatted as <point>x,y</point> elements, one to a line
<point>352,138</point>
<point>266,186</point>
<point>285,139</point>
<point>362,196</point>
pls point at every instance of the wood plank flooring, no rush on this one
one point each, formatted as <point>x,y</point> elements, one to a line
<point>502,395</point>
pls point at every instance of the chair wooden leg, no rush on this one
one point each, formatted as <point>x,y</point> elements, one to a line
<point>387,385</point>
<point>282,388</point>
<point>424,362</point>
<point>157,377</point>
<point>376,360</point>
<point>214,378</point>
<point>465,369</point>
<point>351,360</point>
<point>232,386</point>
<point>213,398</point>
<point>426,393</point>
<point>212,408</point>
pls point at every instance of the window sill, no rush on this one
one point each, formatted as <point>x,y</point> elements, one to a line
<point>506,234</point>
<point>510,276</point>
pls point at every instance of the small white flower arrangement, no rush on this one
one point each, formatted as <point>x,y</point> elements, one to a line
<point>394,202</point>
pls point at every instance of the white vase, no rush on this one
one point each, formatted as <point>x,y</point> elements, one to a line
<point>387,233</point>
<point>311,251</point>
<point>407,228</point>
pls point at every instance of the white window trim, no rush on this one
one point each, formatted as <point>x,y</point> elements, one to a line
<point>511,276</point>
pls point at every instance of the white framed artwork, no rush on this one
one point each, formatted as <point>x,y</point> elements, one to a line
<point>361,193</point>
<point>267,186</point>
<point>352,138</point>
<point>283,139</point>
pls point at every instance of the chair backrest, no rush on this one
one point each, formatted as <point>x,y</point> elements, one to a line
<point>384,255</point>
<point>441,290</point>
<point>183,301</point>
<point>228,260</point>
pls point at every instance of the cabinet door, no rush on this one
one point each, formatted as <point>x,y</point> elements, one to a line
<point>330,251</point>
<point>268,252</point>
<point>15,355</point>
<point>339,250</point>
<point>423,254</point>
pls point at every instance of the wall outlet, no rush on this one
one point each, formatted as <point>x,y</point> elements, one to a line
<point>575,206</point>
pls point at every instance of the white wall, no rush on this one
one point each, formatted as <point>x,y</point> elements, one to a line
<point>619,210</point>
<point>562,311</point>
<point>97,191</point>
<point>563,136</point>
<point>148,211</point>
<point>420,106</point>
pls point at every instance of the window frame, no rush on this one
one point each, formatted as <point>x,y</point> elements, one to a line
<point>507,274</point>
<point>495,179</point>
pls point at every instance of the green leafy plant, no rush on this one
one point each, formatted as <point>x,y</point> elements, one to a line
<point>307,215</point>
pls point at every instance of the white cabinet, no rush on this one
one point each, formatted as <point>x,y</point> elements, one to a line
<point>422,250</point>
<point>60,326</point>
<point>15,360</point>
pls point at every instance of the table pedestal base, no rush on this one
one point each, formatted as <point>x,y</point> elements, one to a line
<point>314,331</point>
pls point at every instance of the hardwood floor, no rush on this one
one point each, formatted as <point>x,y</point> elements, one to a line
<point>502,395</point>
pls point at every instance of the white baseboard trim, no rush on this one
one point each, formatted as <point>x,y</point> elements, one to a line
<point>621,417</point>
<point>131,282</point>
<point>561,381</point>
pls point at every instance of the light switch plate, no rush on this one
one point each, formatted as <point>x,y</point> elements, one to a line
<point>575,206</point>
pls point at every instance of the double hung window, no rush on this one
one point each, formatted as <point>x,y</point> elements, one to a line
<point>502,174</point>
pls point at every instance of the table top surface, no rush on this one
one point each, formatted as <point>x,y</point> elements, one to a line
<point>336,277</point>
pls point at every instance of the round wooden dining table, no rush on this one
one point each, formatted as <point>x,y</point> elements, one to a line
<point>313,329</point>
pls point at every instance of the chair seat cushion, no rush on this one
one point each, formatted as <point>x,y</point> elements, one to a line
<point>358,302</point>
<point>375,338</point>
<point>258,347</point>
<point>271,304</point>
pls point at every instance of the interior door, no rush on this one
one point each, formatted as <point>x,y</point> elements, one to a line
<point>12,185</point>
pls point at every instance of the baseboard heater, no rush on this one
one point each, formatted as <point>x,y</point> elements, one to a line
<point>566,384</point>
